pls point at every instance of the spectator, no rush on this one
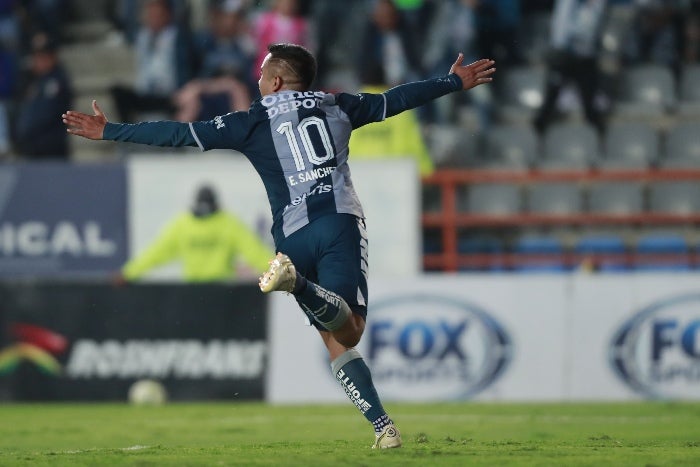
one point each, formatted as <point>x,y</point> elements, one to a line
<point>10,30</point>
<point>575,36</point>
<point>162,64</point>
<point>39,132</point>
<point>280,24</point>
<point>124,14</point>
<point>388,44</point>
<point>9,48</point>
<point>691,33</point>
<point>657,33</point>
<point>8,84</point>
<point>498,22</point>
<point>454,29</point>
<point>204,99</point>
<point>226,47</point>
<point>417,15</point>
<point>336,26</point>
<point>226,52</point>
<point>45,16</point>
<point>211,244</point>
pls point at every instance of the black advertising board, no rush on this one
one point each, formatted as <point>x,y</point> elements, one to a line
<point>65,341</point>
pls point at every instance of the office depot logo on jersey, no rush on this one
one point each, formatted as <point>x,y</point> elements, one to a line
<point>286,102</point>
<point>426,347</point>
<point>657,351</point>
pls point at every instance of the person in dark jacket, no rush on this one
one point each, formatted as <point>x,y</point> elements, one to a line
<point>39,132</point>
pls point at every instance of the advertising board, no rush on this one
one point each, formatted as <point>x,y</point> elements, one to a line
<point>91,342</point>
<point>61,220</point>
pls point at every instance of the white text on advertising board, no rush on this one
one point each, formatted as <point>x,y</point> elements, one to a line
<point>217,359</point>
<point>37,238</point>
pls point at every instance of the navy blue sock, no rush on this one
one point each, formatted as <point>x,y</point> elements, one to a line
<point>355,378</point>
<point>321,305</point>
<point>299,284</point>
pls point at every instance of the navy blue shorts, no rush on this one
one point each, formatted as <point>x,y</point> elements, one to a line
<point>332,252</point>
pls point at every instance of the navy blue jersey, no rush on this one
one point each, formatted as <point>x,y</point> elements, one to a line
<point>297,142</point>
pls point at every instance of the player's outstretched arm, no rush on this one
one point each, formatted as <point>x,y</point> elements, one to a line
<point>461,77</point>
<point>474,74</point>
<point>158,133</point>
<point>87,126</point>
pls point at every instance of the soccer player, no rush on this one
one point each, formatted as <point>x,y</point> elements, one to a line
<point>297,141</point>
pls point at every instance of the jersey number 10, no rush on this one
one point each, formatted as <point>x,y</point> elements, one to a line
<point>287,129</point>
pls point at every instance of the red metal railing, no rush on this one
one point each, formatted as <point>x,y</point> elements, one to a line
<point>449,220</point>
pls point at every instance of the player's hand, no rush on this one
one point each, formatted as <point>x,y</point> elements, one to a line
<point>475,73</point>
<point>87,126</point>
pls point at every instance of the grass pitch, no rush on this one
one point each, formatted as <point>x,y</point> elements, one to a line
<point>641,434</point>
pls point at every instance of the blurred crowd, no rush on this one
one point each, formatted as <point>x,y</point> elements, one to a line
<point>200,58</point>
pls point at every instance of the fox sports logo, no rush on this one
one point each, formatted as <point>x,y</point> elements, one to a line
<point>657,351</point>
<point>426,347</point>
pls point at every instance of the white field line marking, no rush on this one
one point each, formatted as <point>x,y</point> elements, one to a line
<point>136,447</point>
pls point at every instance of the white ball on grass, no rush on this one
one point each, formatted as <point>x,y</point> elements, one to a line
<point>147,392</point>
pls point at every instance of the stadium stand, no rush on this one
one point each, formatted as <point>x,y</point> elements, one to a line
<point>662,251</point>
<point>554,198</point>
<point>682,148</point>
<point>539,253</point>
<point>481,253</point>
<point>689,102</point>
<point>674,197</point>
<point>616,198</point>
<point>630,146</point>
<point>605,252</point>
<point>491,199</point>
<point>646,92</point>
<point>572,146</point>
<point>509,147</point>
<point>520,93</point>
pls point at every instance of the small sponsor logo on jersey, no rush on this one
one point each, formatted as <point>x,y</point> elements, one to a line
<point>427,347</point>
<point>320,188</point>
<point>656,352</point>
<point>290,101</point>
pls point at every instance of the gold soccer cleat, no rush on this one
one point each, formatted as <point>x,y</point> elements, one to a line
<point>388,438</point>
<point>281,275</point>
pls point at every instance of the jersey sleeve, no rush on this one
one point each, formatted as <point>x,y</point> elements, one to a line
<point>362,108</point>
<point>164,133</point>
<point>411,95</point>
<point>366,108</point>
<point>223,132</point>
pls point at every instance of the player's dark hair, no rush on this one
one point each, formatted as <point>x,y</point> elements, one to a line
<point>298,58</point>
